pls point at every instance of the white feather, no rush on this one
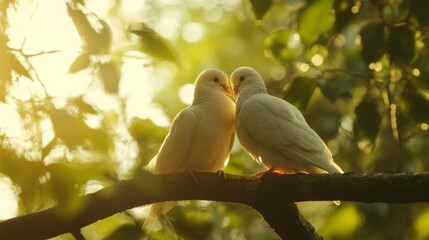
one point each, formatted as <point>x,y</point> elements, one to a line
<point>274,132</point>
<point>200,137</point>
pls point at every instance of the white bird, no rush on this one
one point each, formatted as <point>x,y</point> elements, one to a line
<point>274,132</point>
<point>200,137</point>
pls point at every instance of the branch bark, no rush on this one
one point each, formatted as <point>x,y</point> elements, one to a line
<point>271,195</point>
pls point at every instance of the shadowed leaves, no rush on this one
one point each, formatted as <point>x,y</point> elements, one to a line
<point>368,120</point>
<point>93,31</point>
<point>74,132</point>
<point>419,9</point>
<point>153,44</point>
<point>372,37</point>
<point>260,7</point>
<point>80,63</point>
<point>300,92</point>
<point>401,45</point>
<point>110,75</point>
<point>418,106</point>
<point>284,45</point>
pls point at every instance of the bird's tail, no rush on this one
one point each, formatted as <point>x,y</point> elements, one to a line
<point>155,210</point>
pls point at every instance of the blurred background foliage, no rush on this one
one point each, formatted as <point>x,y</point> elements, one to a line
<point>88,89</point>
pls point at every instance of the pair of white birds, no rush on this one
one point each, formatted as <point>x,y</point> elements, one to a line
<point>270,129</point>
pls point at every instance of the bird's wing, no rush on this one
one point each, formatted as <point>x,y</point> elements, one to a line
<point>276,124</point>
<point>176,145</point>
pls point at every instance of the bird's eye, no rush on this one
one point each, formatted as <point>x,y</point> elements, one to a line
<point>216,80</point>
<point>241,78</point>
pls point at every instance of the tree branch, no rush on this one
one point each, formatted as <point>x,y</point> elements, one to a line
<point>271,195</point>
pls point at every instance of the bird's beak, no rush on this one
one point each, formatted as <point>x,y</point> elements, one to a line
<point>236,91</point>
<point>226,88</point>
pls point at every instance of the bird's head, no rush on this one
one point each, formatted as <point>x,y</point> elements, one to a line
<point>213,79</point>
<point>243,78</point>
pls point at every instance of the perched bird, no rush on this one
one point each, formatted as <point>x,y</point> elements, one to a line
<point>274,132</point>
<point>200,137</point>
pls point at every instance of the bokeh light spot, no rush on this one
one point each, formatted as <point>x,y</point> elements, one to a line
<point>193,32</point>
<point>186,93</point>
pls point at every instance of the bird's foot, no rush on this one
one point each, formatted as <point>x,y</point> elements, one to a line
<point>222,174</point>
<point>270,171</point>
<point>192,173</point>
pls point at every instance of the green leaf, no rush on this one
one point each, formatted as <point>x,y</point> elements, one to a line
<point>336,87</point>
<point>368,120</point>
<point>401,45</point>
<point>372,38</point>
<point>284,45</point>
<point>95,34</point>
<point>17,66</point>
<point>153,44</point>
<point>260,7</point>
<point>68,179</point>
<point>25,175</point>
<point>191,223</point>
<point>420,9</point>
<point>80,63</point>
<point>110,75</point>
<point>74,131</point>
<point>126,232</point>
<point>300,92</point>
<point>83,106</point>
<point>68,127</point>
<point>148,137</point>
<point>11,63</point>
<point>315,19</point>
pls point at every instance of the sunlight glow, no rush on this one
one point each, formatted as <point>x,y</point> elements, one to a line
<point>365,145</point>
<point>186,93</point>
<point>213,15</point>
<point>169,27</point>
<point>376,66</point>
<point>50,19</point>
<point>358,40</point>
<point>340,40</point>
<point>8,125</point>
<point>193,32</point>
<point>9,206</point>
<point>294,40</point>
<point>100,7</point>
<point>278,72</point>
<point>355,9</point>
<point>139,85</point>
<point>416,72</point>
<point>132,5</point>
<point>303,67</point>
<point>317,59</point>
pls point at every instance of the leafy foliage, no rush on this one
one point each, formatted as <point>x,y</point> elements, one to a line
<point>153,43</point>
<point>260,7</point>
<point>401,44</point>
<point>373,47</point>
<point>311,30</point>
<point>283,44</point>
<point>300,92</point>
<point>357,69</point>
<point>368,119</point>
